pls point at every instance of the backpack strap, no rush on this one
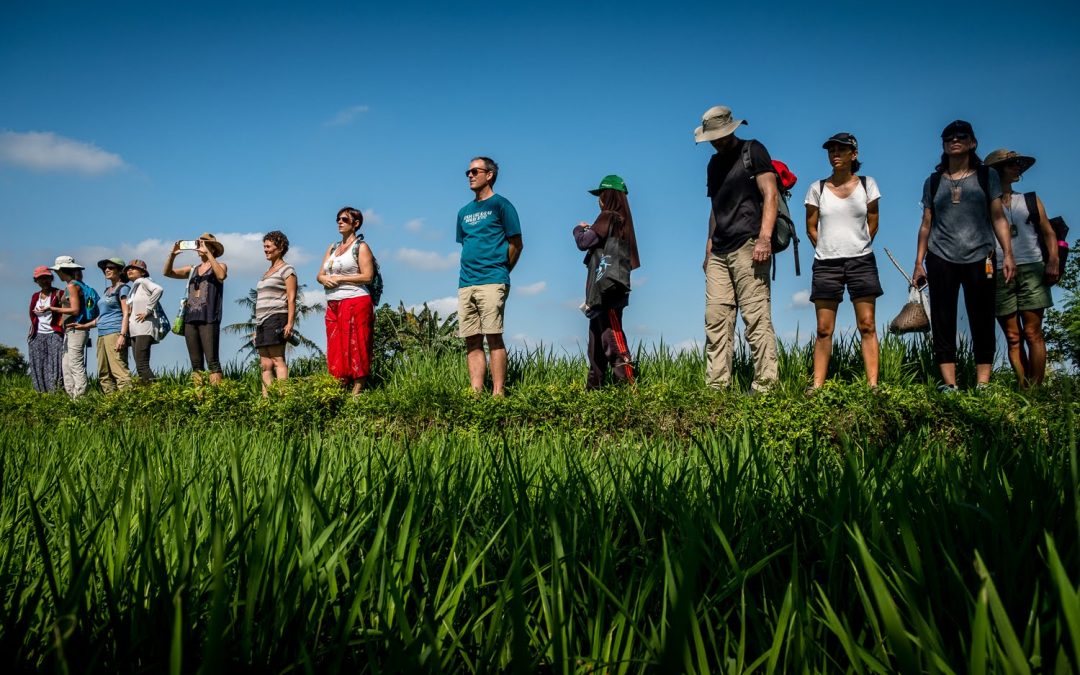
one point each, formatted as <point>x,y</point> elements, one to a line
<point>746,158</point>
<point>982,174</point>
<point>821,190</point>
<point>935,184</point>
<point>862,179</point>
<point>1032,203</point>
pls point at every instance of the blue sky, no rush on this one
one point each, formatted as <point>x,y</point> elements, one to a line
<point>124,127</point>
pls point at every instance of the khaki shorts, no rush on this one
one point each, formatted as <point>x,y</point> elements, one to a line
<point>480,309</point>
<point>1026,292</point>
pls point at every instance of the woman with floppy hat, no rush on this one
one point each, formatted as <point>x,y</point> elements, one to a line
<point>112,327</point>
<point>1020,303</point>
<point>346,269</point>
<point>202,309</point>
<point>144,299</point>
<point>75,310</point>
<point>607,342</point>
<point>275,309</point>
<point>962,215</point>
<point>841,222</point>
<point>45,342</point>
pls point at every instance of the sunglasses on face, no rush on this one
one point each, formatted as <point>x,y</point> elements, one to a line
<point>1015,163</point>
<point>957,138</point>
<point>474,172</point>
<point>343,219</point>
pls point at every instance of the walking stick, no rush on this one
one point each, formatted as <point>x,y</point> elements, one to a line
<point>620,344</point>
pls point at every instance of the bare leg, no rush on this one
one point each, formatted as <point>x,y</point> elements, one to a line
<point>826,324</point>
<point>474,348</point>
<point>266,369</point>
<point>498,363</point>
<point>358,385</point>
<point>948,373</point>
<point>864,317</point>
<point>216,378</point>
<point>982,372</point>
<point>1010,325</point>
<point>1036,346</point>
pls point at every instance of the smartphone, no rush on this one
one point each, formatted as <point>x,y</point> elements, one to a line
<point>189,245</point>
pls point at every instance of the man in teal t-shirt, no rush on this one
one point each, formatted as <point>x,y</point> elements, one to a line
<point>490,236</point>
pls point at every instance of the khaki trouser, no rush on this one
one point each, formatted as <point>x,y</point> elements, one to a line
<point>74,362</point>
<point>735,283</point>
<point>112,366</point>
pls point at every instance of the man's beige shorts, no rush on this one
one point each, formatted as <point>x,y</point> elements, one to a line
<point>480,309</point>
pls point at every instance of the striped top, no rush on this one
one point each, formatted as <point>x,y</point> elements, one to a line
<point>271,297</point>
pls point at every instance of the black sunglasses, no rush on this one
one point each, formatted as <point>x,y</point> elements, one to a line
<point>474,171</point>
<point>956,137</point>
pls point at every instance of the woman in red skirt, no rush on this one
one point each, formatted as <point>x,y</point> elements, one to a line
<point>347,269</point>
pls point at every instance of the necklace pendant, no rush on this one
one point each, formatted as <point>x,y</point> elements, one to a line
<point>956,191</point>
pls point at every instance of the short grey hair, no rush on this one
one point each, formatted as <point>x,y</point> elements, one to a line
<point>490,165</point>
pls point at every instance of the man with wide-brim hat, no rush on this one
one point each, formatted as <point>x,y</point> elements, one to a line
<point>202,309</point>
<point>744,197</point>
<point>1019,303</point>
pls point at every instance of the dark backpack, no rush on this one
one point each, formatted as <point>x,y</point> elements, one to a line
<point>784,233</point>
<point>90,299</point>
<point>1057,224</point>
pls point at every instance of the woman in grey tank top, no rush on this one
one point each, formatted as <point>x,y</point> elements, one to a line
<point>1020,303</point>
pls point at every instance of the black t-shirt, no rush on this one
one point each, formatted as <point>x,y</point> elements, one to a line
<point>736,199</point>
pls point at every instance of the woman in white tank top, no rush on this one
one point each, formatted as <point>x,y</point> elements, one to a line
<point>346,269</point>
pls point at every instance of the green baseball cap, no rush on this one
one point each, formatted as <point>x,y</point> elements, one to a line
<point>611,182</point>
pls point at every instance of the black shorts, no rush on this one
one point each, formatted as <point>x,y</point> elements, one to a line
<point>271,331</point>
<point>859,275</point>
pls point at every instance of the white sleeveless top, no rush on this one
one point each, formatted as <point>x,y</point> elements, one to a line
<point>344,264</point>
<point>1025,243</point>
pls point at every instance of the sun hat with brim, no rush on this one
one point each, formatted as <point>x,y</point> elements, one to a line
<point>135,264</point>
<point>717,122</point>
<point>115,262</point>
<point>212,244</point>
<point>611,182</point>
<point>842,138</point>
<point>1001,155</point>
<point>42,271</point>
<point>65,262</point>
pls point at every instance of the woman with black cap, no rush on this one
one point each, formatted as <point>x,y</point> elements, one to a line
<point>962,215</point>
<point>607,342</point>
<point>1020,303</point>
<point>841,222</point>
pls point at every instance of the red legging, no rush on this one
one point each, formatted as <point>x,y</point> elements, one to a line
<point>349,335</point>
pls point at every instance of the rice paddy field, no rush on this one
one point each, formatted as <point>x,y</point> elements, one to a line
<point>663,528</point>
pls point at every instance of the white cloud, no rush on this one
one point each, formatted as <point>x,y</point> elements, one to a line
<point>414,225</point>
<point>46,151</point>
<point>371,217</point>
<point>800,300</point>
<point>345,116</point>
<point>691,345</point>
<point>444,306</point>
<point>426,260</point>
<point>530,289</point>
<point>313,296</point>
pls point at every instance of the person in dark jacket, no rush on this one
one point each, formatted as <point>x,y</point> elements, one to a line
<point>607,342</point>
<point>45,342</point>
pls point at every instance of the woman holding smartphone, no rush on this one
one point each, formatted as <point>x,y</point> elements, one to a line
<point>275,310</point>
<point>202,310</point>
<point>144,299</point>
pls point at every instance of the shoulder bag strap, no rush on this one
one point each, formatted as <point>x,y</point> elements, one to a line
<point>1032,203</point>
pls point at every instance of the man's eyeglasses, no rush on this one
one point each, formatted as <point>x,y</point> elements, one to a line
<point>475,171</point>
<point>957,137</point>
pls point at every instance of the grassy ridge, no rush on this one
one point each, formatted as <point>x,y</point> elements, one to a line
<point>226,547</point>
<point>666,528</point>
